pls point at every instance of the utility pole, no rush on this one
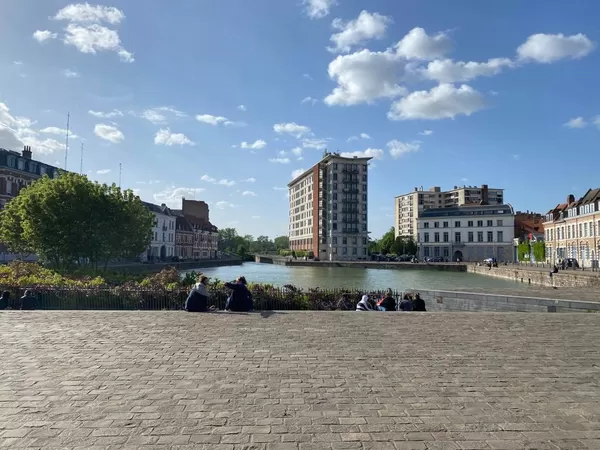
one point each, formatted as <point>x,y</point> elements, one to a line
<point>81,164</point>
<point>67,140</point>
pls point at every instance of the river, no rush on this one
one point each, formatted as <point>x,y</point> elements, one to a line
<point>364,279</point>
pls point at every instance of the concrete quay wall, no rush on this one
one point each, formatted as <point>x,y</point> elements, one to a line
<point>438,301</point>
<point>282,261</point>
<point>187,265</point>
<point>540,277</point>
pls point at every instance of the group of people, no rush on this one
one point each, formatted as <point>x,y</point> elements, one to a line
<point>388,303</point>
<point>239,300</point>
<point>27,302</point>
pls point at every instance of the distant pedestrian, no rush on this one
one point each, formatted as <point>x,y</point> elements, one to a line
<point>5,300</point>
<point>406,304</point>
<point>387,303</point>
<point>364,305</point>
<point>28,301</point>
<point>419,304</point>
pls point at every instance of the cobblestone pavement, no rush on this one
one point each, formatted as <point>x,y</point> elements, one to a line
<point>303,380</point>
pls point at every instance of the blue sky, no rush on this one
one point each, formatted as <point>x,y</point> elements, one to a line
<point>224,100</point>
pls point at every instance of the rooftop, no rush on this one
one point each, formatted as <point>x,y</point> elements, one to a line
<point>299,380</point>
<point>468,210</point>
<point>328,157</point>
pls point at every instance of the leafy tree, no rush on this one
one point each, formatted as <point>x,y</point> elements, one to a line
<point>539,251</point>
<point>282,243</point>
<point>386,242</point>
<point>71,220</point>
<point>227,239</point>
<point>242,251</point>
<point>523,251</point>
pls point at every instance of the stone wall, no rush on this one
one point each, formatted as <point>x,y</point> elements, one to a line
<point>437,301</point>
<point>540,277</point>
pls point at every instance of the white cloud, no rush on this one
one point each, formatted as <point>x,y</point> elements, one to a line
<point>218,120</point>
<point>397,148</point>
<point>282,153</point>
<point>241,107</point>
<point>354,32</point>
<point>426,133</point>
<point>43,146</point>
<point>86,13</point>
<point>311,100</point>
<point>250,180</point>
<point>360,136</point>
<point>297,173</point>
<point>548,48</point>
<point>109,133</point>
<point>297,151</point>
<point>364,77</point>
<point>442,102</point>
<point>256,217</point>
<point>106,115</point>
<point>165,137</point>
<point>102,171</point>
<point>516,157</point>
<point>368,153</point>
<point>249,194</point>
<point>365,136</point>
<point>170,109</point>
<point>154,116</point>
<point>44,35</point>
<point>256,145</point>
<point>208,179</point>
<point>417,44</point>
<point>317,144</point>
<point>70,73</point>
<point>577,122</point>
<point>292,128</point>
<point>226,182</point>
<point>7,119</point>
<point>307,76</point>
<point>18,63</point>
<point>448,71</point>
<point>224,205</point>
<point>94,38</point>
<point>173,196</point>
<point>596,121</point>
<point>280,160</point>
<point>58,131</point>
<point>317,9</point>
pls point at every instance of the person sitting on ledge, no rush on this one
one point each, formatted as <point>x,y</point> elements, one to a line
<point>5,300</point>
<point>240,299</point>
<point>419,304</point>
<point>406,304</point>
<point>387,303</point>
<point>28,301</point>
<point>363,304</point>
<point>198,298</point>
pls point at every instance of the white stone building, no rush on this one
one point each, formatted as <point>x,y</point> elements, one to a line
<point>162,247</point>
<point>468,233</point>
<point>328,209</point>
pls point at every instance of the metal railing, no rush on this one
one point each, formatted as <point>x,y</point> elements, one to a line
<point>265,298</point>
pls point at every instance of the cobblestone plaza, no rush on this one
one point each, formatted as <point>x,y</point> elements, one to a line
<point>299,380</point>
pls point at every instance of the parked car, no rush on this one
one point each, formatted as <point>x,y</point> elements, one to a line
<point>571,263</point>
<point>435,259</point>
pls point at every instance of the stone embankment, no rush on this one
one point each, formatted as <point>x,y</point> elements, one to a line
<point>540,276</point>
<point>186,265</point>
<point>283,261</point>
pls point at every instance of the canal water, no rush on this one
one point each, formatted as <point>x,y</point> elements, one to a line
<point>364,279</point>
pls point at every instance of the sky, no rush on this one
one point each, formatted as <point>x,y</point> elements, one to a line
<point>224,101</point>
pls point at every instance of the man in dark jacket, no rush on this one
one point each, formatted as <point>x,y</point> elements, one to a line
<point>28,301</point>
<point>240,299</point>
<point>419,304</point>
<point>387,303</point>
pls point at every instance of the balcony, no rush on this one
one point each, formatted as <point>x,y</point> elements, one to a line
<point>351,190</point>
<point>351,171</point>
<point>351,210</point>
<point>350,230</point>
<point>348,220</point>
<point>350,200</point>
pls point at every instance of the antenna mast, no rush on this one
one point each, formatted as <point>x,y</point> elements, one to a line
<point>67,140</point>
<point>120,167</point>
<point>81,164</point>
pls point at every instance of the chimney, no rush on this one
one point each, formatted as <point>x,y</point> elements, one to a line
<point>484,195</point>
<point>27,152</point>
<point>570,199</point>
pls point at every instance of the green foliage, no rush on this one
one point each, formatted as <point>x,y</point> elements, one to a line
<point>539,251</point>
<point>523,251</point>
<point>297,253</point>
<point>282,242</point>
<point>386,242</point>
<point>71,221</point>
<point>404,245</point>
<point>389,244</point>
<point>231,241</point>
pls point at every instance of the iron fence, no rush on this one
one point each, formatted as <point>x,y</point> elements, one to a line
<point>265,298</point>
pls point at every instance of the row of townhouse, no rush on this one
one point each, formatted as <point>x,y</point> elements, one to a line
<point>573,230</point>
<point>184,233</point>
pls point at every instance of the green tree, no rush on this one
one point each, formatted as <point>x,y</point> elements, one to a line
<point>72,220</point>
<point>539,251</point>
<point>227,239</point>
<point>523,251</point>
<point>282,243</point>
<point>386,242</point>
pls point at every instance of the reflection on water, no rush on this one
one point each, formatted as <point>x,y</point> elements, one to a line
<point>367,279</point>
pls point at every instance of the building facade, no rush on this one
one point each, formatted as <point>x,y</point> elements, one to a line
<point>162,245</point>
<point>193,221</point>
<point>408,207</point>
<point>573,230</point>
<point>467,233</point>
<point>529,226</point>
<point>329,209</point>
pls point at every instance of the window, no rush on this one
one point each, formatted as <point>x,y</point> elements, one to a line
<point>344,241</point>
<point>446,252</point>
<point>354,250</point>
<point>334,216</point>
<point>436,251</point>
<point>365,177</point>
<point>457,224</point>
<point>445,225</point>
<point>490,236</point>
<point>335,207</point>
<point>490,223</point>
<point>364,197</point>
<point>335,165</point>
<point>470,223</point>
<point>569,232</point>
<point>426,251</point>
<point>344,250</point>
<point>585,229</point>
<point>334,227</point>
<point>499,222</point>
<point>446,237</point>
<point>426,225</point>
<point>457,236</point>
<point>364,188</point>
<point>425,237</point>
<point>480,223</point>
<point>335,186</point>
<point>500,236</point>
<point>580,230</point>
<point>436,224</point>
<point>436,237</point>
<point>480,236</point>
<point>335,196</point>
<point>354,240</point>
<point>470,236</point>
